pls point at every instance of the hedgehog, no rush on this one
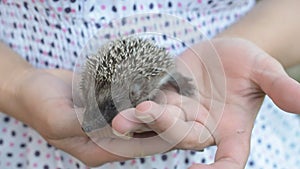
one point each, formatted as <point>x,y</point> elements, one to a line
<point>123,73</point>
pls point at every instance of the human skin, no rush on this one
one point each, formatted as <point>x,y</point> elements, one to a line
<point>273,32</point>
<point>42,98</point>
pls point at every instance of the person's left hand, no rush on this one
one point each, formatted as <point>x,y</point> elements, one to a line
<point>220,113</point>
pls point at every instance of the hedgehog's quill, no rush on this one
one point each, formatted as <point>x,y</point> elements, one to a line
<point>124,73</point>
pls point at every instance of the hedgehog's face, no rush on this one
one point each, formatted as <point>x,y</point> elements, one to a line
<point>142,88</point>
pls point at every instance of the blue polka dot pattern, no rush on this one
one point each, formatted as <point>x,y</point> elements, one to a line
<point>274,139</point>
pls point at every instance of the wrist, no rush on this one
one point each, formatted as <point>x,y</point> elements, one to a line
<point>9,89</point>
<point>12,71</point>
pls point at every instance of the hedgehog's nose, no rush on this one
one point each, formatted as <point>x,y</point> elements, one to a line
<point>87,129</point>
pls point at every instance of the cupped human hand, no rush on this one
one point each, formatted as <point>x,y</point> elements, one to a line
<point>45,96</point>
<point>230,91</point>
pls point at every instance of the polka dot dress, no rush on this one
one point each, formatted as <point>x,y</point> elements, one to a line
<point>51,34</point>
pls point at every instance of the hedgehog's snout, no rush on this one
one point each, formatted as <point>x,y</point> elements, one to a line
<point>86,129</point>
<point>139,90</point>
<point>142,91</point>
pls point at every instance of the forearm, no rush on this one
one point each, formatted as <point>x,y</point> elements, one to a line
<point>274,26</point>
<point>12,69</point>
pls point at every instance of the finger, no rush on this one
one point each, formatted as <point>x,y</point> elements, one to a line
<point>282,89</point>
<point>118,148</point>
<point>168,121</point>
<point>86,150</point>
<point>126,122</point>
<point>129,147</point>
<point>133,147</point>
<point>232,153</point>
<point>286,92</point>
<point>158,117</point>
<point>192,108</point>
<point>232,135</point>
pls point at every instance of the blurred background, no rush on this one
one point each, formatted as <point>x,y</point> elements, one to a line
<point>294,72</point>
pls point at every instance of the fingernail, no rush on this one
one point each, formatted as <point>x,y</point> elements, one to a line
<point>145,118</point>
<point>144,106</point>
<point>127,135</point>
<point>141,112</point>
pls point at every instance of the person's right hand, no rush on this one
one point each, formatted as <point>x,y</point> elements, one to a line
<point>45,96</point>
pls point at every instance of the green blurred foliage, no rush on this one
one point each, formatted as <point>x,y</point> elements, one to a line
<point>294,72</point>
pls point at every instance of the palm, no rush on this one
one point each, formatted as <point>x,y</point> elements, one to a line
<point>51,109</point>
<point>229,97</point>
<point>232,122</point>
<point>250,73</point>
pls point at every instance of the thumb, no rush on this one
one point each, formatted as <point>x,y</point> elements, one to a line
<point>275,82</point>
<point>232,153</point>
